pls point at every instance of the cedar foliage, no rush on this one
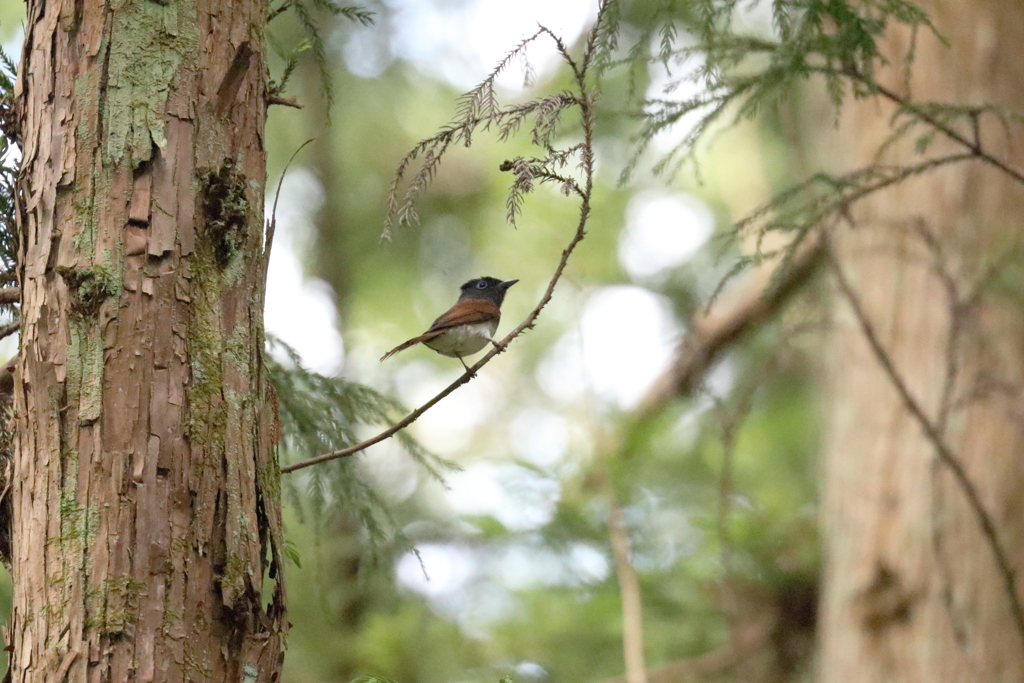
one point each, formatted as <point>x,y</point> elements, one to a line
<point>8,170</point>
<point>320,414</point>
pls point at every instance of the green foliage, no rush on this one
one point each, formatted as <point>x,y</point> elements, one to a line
<point>8,170</point>
<point>738,74</point>
<point>292,553</point>
<point>308,13</point>
<point>320,414</point>
<point>741,74</point>
<point>479,110</point>
<point>291,61</point>
<point>371,678</point>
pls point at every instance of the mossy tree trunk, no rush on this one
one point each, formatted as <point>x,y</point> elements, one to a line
<point>912,589</point>
<point>147,532</point>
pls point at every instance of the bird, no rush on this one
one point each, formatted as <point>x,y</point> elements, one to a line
<point>466,327</point>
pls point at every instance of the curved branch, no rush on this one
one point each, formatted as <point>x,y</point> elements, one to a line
<point>268,239</point>
<point>585,103</point>
<point>527,323</point>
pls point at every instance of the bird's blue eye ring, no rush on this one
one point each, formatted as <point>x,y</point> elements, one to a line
<point>482,284</point>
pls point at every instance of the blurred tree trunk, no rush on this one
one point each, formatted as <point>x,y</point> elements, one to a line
<point>147,508</point>
<point>912,592</point>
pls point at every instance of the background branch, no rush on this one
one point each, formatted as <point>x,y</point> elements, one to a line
<point>8,330</point>
<point>629,592</point>
<point>716,328</point>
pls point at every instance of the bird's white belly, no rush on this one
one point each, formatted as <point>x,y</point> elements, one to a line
<point>464,340</point>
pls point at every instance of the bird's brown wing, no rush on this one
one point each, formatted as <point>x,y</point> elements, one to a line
<point>466,312</point>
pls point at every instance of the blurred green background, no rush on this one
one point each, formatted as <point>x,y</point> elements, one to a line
<point>505,567</point>
<point>515,573</point>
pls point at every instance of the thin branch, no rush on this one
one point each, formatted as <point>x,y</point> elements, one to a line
<point>284,101</point>
<point>931,431</point>
<point>629,592</point>
<point>957,312</point>
<point>393,429</point>
<point>8,330</point>
<point>268,240</point>
<point>585,103</point>
<point>973,145</point>
<point>10,295</point>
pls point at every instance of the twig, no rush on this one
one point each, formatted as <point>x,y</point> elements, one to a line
<point>268,240</point>
<point>390,431</point>
<point>284,101</point>
<point>8,330</point>
<point>584,102</point>
<point>957,311</point>
<point>946,455</point>
<point>973,145</point>
<point>10,295</point>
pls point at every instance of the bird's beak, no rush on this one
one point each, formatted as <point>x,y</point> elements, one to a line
<point>507,283</point>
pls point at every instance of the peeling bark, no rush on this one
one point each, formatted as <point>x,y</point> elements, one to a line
<point>147,522</point>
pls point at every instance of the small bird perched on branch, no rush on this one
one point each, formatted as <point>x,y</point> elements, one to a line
<point>466,327</point>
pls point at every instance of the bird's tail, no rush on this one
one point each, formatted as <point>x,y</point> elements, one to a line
<point>405,345</point>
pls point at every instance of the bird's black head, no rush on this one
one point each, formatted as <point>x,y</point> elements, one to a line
<point>490,288</point>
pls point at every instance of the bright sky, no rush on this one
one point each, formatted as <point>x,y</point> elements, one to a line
<point>300,310</point>
<point>462,41</point>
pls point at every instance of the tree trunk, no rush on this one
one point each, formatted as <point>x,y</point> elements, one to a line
<point>147,509</point>
<point>912,588</point>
